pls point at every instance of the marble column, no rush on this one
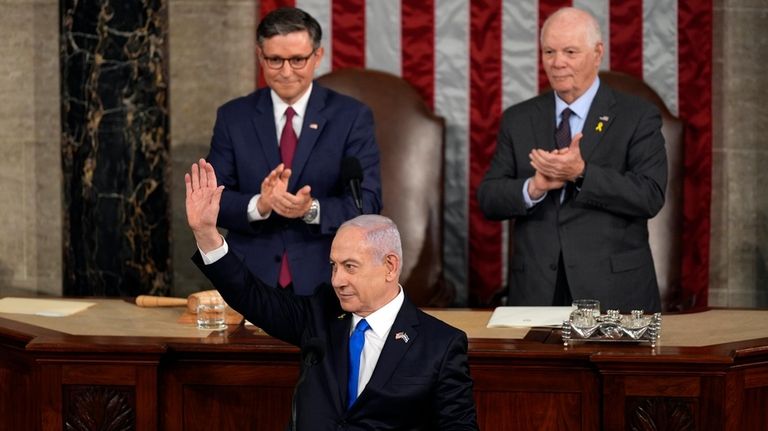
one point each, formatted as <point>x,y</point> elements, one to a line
<point>115,147</point>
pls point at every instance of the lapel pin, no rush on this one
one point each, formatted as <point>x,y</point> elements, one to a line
<point>313,126</point>
<point>402,336</point>
<point>599,127</point>
<point>342,315</point>
<point>604,118</point>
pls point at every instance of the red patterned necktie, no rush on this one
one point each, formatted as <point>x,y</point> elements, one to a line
<point>288,142</point>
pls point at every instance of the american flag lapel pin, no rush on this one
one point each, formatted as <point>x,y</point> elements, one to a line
<point>342,315</point>
<point>402,336</point>
<point>313,126</point>
<point>604,118</point>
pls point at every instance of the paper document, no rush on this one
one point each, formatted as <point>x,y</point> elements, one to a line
<point>42,307</point>
<point>528,316</point>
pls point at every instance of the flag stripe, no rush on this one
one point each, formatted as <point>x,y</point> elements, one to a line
<point>452,102</point>
<point>695,95</point>
<point>518,60</point>
<point>626,37</point>
<point>382,36</point>
<point>660,50</point>
<point>321,11</point>
<point>485,107</point>
<point>418,47</point>
<point>348,41</point>
<point>601,10</point>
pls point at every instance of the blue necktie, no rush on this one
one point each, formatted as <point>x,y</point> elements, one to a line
<point>356,342</point>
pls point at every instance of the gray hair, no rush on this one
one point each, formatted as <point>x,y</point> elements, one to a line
<point>287,20</point>
<point>380,233</point>
<point>593,33</point>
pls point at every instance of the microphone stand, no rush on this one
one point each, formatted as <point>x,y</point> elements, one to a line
<point>312,354</point>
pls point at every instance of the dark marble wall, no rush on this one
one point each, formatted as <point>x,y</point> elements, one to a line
<point>115,147</point>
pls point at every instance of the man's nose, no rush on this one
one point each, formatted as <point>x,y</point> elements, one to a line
<point>338,279</point>
<point>285,69</point>
<point>558,60</point>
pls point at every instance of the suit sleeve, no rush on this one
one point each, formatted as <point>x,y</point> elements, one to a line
<point>361,144</point>
<point>280,313</point>
<point>500,194</point>
<point>454,403</point>
<point>233,214</point>
<point>634,186</point>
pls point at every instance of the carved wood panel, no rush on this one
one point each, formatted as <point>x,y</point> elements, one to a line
<point>660,414</point>
<point>107,408</point>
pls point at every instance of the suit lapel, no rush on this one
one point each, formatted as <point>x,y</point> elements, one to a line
<point>264,123</point>
<point>311,128</point>
<point>543,122</point>
<point>401,337</point>
<point>599,119</point>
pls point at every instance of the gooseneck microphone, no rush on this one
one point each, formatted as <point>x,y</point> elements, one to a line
<point>352,174</point>
<point>312,353</point>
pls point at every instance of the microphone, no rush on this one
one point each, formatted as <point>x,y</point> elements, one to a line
<point>312,352</point>
<point>352,174</point>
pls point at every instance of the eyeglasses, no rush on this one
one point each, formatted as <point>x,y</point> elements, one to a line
<point>277,63</point>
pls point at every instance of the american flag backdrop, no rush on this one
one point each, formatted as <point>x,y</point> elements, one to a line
<point>472,59</point>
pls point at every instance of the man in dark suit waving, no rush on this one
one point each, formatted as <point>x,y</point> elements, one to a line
<point>386,364</point>
<point>279,152</point>
<point>580,169</point>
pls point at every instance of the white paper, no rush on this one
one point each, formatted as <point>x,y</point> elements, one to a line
<point>504,317</point>
<point>42,307</point>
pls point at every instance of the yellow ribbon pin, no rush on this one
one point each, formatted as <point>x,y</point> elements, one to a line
<point>599,127</point>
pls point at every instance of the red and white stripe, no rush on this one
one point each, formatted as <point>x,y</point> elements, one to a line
<point>470,60</point>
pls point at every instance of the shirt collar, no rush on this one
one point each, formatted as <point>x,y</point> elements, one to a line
<point>580,106</point>
<point>280,106</point>
<point>381,320</point>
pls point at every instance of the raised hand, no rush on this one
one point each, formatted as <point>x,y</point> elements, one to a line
<point>202,203</point>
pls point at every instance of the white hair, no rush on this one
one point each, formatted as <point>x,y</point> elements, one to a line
<point>592,27</point>
<point>380,233</point>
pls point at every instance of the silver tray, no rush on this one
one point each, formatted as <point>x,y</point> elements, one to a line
<point>612,327</point>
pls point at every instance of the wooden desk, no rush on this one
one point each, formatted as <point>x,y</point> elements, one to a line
<point>243,379</point>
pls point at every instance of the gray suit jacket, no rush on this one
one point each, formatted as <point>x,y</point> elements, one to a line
<point>603,230</point>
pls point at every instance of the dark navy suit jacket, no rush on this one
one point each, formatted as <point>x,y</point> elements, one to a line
<point>244,150</point>
<point>419,384</point>
<point>603,230</point>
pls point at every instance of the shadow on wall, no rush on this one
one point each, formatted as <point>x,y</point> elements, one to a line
<point>187,279</point>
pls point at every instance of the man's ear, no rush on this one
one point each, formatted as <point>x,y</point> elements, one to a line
<point>392,262</point>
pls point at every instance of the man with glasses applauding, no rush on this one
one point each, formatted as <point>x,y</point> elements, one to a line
<point>278,153</point>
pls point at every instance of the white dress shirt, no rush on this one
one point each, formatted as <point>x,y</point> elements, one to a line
<point>381,322</point>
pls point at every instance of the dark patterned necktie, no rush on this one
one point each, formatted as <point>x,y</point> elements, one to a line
<point>563,132</point>
<point>563,140</point>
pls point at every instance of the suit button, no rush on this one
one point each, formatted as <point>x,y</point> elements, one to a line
<point>553,266</point>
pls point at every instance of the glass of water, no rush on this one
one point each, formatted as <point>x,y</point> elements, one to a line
<point>210,313</point>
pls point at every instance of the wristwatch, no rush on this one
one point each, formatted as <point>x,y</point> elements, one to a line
<point>311,214</point>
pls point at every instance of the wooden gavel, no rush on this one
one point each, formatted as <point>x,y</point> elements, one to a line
<point>164,301</point>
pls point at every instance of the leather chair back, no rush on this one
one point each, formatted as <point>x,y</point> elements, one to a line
<point>411,142</point>
<point>665,231</point>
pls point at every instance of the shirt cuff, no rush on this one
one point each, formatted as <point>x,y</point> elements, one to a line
<point>253,210</point>
<point>529,203</point>
<point>215,254</point>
